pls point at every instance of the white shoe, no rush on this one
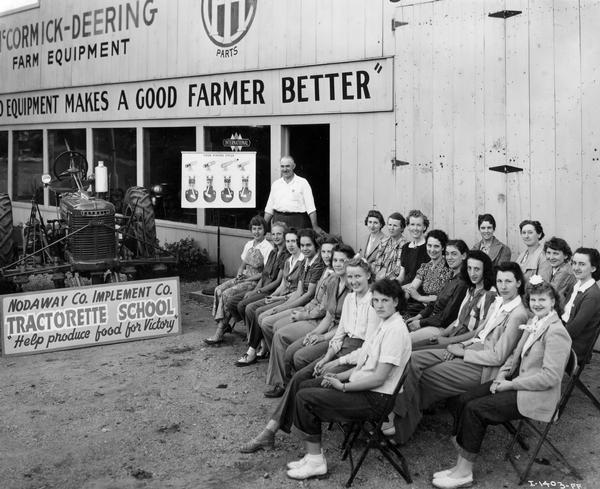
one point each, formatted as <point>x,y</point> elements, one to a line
<point>309,469</point>
<point>299,463</point>
<point>442,473</point>
<point>296,464</point>
<point>388,428</point>
<point>453,482</point>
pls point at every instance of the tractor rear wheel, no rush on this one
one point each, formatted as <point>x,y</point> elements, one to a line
<point>7,244</point>
<point>141,226</point>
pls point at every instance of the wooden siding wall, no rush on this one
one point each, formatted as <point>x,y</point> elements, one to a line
<point>284,33</point>
<point>473,92</point>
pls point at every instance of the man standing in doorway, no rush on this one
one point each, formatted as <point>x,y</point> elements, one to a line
<point>291,199</point>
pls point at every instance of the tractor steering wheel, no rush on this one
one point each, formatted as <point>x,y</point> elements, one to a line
<point>69,163</point>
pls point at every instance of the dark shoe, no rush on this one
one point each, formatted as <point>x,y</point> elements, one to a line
<point>263,355</point>
<point>228,328</point>
<point>244,362</point>
<point>213,340</point>
<point>266,439</point>
<point>217,337</point>
<point>276,391</point>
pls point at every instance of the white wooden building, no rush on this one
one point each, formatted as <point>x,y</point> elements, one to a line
<point>385,104</point>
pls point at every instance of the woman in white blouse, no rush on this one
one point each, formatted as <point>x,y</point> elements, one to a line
<point>359,393</point>
<point>533,257</point>
<point>358,322</point>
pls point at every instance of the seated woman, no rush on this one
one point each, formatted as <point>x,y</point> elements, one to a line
<point>375,223</point>
<point>387,262</point>
<point>272,273</point>
<point>324,345</point>
<point>315,309</point>
<point>557,268</point>
<point>299,325</point>
<point>478,271</point>
<point>414,253</point>
<point>431,321</point>
<point>254,256</point>
<point>582,311</point>
<point>291,274</point>
<point>489,244</point>
<point>358,322</point>
<point>310,273</point>
<point>430,277</point>
<point>357,393</point>
<point>533,257</point>
<point>527,385</point>
<point>439,374</point>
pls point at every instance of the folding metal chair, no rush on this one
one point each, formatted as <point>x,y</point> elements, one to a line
<point>587,358</point>
<point>573,371</point>
<point>371,429</point>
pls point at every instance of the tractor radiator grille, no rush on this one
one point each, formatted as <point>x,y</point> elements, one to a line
<point>97,241</point>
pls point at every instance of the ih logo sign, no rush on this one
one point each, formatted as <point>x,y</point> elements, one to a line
<point>227,21</point>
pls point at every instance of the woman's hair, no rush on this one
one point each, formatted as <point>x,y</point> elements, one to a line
<point>489,278</point>
<point>515,269</point>
<point>258,221</point>
<point>459,244</point>
<point>416,213</point>
<point>398,217</point>
<point>360,263</point>
<point>481,218</point>
<point>438,234</point>
<point>293,231</point>
<point>537,225</point>
<point>543,288</point>
<point>559,244</point>
<point>280,224</point>
<point>390,288</point>
<point>310,234</point>
<point>345,249</point>
<point>594,257</point>
<point>329,239</point>
<point>376,214</point>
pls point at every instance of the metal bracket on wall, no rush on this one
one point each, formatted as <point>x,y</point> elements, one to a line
<point>506,169</point>
<point>396,163</point>
<point>397,23</point>
<point>505,14</point>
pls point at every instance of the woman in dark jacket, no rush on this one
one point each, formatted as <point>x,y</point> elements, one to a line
<point>489,244</point>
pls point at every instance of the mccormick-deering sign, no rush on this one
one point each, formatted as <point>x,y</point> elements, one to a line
<point>37,322</point>
<point>79,31</point>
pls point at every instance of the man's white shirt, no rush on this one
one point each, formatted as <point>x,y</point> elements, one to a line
<point>295,196</point>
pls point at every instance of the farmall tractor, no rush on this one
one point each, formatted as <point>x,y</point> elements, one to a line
<point>88,238</point>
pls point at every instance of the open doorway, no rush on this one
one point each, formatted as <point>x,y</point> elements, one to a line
<point>309,146</point>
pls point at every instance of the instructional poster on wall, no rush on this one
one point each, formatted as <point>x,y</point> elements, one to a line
<point>218,180</point>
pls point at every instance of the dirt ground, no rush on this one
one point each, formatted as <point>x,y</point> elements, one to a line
<point>171,413</point>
